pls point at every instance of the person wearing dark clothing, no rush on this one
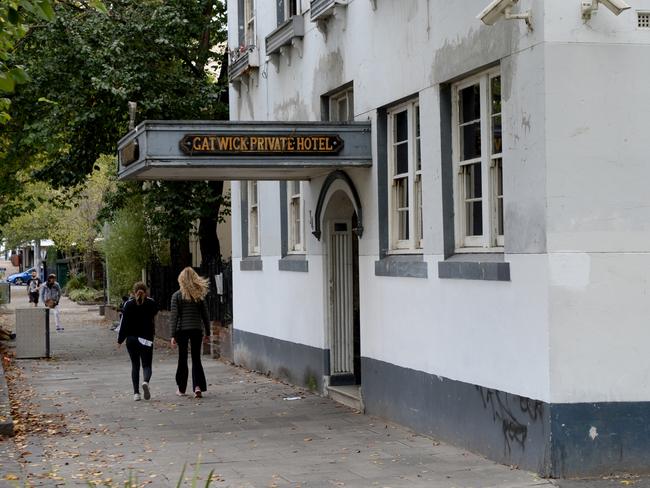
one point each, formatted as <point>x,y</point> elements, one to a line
<point>137,328</point>
<point>34,288</point>
<point>190,325</point>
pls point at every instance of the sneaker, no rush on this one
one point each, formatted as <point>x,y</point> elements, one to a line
<point>136,397</point>
<point>197,393</point>
<point>180,393</point>
<point>59,329</point>
<point>145,390</point>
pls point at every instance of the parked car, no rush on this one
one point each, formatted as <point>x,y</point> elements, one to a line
<point>20,278</point>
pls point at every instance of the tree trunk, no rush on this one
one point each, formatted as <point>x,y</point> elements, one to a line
<point>208,239</point>
<point>88,267</point>
<point>179,246</point>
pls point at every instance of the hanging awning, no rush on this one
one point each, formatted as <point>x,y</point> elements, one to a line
<point>207,150</point>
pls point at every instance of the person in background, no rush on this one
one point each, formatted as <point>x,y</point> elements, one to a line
<point>137,327</point>
<point>125,298</point>
<point>51,295</point>
<point>33,288</point>
<point>190,324</point>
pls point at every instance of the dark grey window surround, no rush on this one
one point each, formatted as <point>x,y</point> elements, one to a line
<point>247,263</point>
<point>487,266</point>
<point>398,265</point>
<point>288,262</point>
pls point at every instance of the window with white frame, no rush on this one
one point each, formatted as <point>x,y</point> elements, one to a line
<point>253,219</point>
<point>478,162</point>
<point>249,22</point>
<point>295,218</point>
<point>291,8</point>
<point>341,106</point>
<point>405,177</point>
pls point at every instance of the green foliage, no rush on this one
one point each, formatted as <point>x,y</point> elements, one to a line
<point>76,282</point>
<point>16,16</point>
<point>67,216</point>
<point>84,67</point>
<point>126,248</point>
<point>86,294</point>
<point>90,65</point>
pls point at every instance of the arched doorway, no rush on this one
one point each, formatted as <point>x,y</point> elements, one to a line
<point>338,214</point>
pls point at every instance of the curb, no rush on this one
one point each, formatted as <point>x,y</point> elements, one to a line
<point>6,421</point>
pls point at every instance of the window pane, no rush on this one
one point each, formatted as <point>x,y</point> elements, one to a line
<point>470,141</point>
<point>402,193</point>
<point>472,180</point>
<point>295,224</point>
<point>401,127</point>
<point>350,105</point>
<point>469,100</point>
<point>403,225</point>
<point>342,114</point>
<point>292,8</point>
<point>474,218</point>
<point>495,90</point>
<point>253,193</point>
<point>496,135</point>
<point>418,209</point>
<point>418,157</point>
<point>254,241</point>
<point>498,177</point>
<point>401,159</point>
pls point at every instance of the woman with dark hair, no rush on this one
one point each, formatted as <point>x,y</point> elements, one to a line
<point>190,325</point>
<point>137,328</point>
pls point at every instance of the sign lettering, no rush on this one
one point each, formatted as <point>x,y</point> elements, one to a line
<point>270,145</point>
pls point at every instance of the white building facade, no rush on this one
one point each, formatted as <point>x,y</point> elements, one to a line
<point>485,281</point>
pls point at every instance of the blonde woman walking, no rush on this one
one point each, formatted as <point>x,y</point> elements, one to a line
<point>190,325</point>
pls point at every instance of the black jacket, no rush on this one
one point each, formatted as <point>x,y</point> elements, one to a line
<point>189,315</point>
<point>138,320</point>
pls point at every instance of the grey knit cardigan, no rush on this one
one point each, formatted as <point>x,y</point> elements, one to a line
<point>187,315</point>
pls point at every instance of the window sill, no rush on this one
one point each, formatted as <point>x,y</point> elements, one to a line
<point>402,265</point>
<point>484,266</point>
<point>294,262</point>
<point>251,263</point>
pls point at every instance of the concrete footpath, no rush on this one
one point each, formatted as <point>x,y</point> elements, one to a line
<point>80,425</point>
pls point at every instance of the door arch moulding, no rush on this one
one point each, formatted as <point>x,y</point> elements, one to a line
<point>338,180</point>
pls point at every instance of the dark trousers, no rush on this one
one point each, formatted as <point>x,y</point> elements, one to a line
<point>139,353</point>
<point>194,338</point>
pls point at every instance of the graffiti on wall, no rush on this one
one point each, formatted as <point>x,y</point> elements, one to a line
<point>514,413</point>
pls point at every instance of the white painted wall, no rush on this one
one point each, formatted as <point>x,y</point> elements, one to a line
<point>598,223</point>
<point>577,226</point>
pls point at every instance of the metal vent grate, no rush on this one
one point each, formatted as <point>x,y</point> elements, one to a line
<point>643,20</point>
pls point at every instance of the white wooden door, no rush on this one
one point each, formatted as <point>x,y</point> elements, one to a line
<point>341,311</point>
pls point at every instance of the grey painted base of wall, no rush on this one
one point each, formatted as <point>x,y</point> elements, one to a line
<point>296,363</point>
<point>554,440</point>
<point>507,428</point>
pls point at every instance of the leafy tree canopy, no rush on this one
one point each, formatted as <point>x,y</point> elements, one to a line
<point>84,68</point>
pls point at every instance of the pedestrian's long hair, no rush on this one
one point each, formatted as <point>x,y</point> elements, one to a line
<point>140,292</point>
<point>193,287</point>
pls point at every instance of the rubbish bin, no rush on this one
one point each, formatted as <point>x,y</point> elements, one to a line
<point>32,333</point>
<point>5,293</point>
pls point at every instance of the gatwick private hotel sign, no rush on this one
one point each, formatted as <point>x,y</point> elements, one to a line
<point>261,145</point>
